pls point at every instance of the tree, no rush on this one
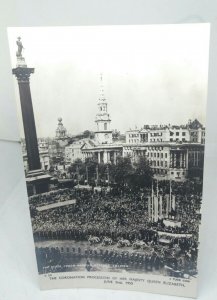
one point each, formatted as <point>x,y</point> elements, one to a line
<point>142,175</point>
<point>123,170</point>
<point>115,135</point>
<point>90,167</point>
<point>77,168</point>
<point>86,134</point>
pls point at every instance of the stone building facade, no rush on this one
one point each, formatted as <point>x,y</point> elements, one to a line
<point>174,152</point>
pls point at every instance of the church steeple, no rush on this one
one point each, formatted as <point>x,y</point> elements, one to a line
<point>102,103</point>
<point>102,94</point>
<point>103,134</point>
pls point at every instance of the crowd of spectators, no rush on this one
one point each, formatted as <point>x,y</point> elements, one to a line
<point>118,216</point>
<point>50,197</point>
<point>108,215</point>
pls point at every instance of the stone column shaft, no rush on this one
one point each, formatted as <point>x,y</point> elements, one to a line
<point>23,74</point>
<point>99,157</point>
<point>108,159</point>
<point>115,157</point>
<point>105,157</point>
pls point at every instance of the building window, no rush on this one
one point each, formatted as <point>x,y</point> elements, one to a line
<point>183,134</point>
<point>177,133</point>
<point>162,155</point>
<point>105,126</point>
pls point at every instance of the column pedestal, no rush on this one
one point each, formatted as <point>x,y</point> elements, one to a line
<point>37,182</point>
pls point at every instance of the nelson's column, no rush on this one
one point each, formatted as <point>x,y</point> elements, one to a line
<point>36,179</point>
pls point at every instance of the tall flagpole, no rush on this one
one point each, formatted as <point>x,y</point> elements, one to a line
<point>149,207</point>
<point>108,174</point>
<point>157,204</point>
<point>170,201</point>
<point>167,205</point>
<point>97,175</point>
<point>152,202</point>
<point>87,174</point>
<point>157,188</point>
<point>77,169</point>
<point>160,207</point>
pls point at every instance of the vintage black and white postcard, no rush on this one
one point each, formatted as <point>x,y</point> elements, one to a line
<point>112,122</point>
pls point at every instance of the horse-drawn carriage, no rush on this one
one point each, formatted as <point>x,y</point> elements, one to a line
<point>139,245</point>
<point>123,243</point>
<point>107,241</point>
<point>93,240</point>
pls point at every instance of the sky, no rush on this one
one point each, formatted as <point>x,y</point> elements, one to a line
<point>152,74</point>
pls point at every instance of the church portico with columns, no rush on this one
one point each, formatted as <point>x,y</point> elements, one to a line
<point>106,154</point>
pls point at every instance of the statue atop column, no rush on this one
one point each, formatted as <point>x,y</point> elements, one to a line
<point>20,47</point>
<point>20,59</point>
